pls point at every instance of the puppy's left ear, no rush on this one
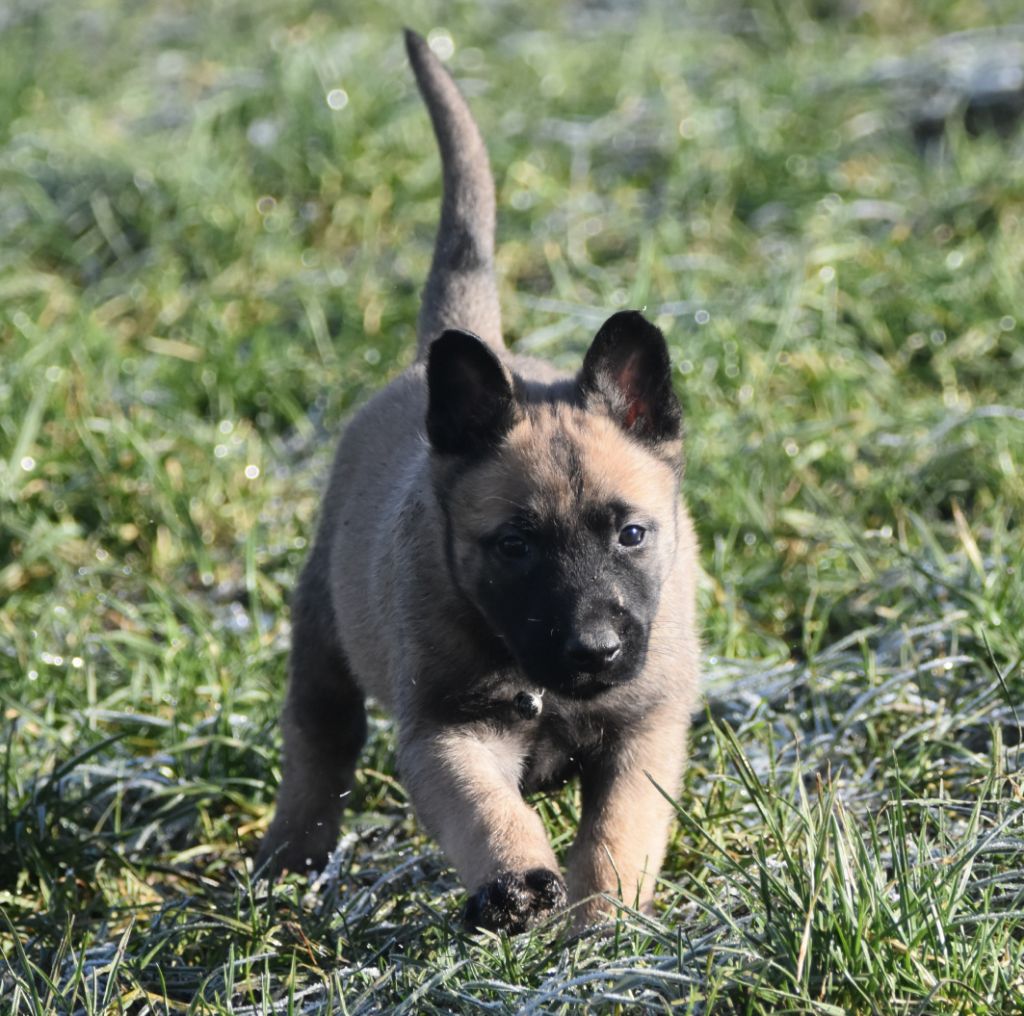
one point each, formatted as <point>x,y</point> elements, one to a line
<point>627,368</point>
<point>471,402</point>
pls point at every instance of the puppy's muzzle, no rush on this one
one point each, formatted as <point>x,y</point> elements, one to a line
<point>592,652</point>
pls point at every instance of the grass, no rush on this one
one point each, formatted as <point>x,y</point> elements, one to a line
<point>205,267</point>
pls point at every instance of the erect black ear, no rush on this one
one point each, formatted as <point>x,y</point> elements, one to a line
<point>471,404</point>
<point>627,367</point>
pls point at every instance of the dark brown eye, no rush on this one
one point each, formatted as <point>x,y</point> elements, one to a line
<point>632,536</point>
<point>513,547</point>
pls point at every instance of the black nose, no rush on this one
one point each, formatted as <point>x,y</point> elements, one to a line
<point>592,651</point>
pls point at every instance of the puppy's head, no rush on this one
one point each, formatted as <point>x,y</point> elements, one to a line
<point>560,501</point>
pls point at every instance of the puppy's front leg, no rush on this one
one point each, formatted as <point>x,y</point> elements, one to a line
<point>464,785</point>
<point>624,830</point>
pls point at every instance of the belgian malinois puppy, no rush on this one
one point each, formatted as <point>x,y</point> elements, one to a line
<point>504,562</point>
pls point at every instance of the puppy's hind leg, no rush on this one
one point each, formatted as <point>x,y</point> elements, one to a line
<point>324,724</point>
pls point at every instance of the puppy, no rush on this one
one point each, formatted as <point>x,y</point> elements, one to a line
<point>503,561</point>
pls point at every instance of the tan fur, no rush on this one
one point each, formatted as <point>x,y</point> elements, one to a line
<point>379,613</point>
<point>464,785</point>
<point>528,471</point>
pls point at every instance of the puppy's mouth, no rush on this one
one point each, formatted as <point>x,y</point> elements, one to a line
<point>546,668</point>
<point>584,684</point>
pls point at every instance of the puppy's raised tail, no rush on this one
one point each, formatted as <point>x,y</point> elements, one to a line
<point>461,290</point>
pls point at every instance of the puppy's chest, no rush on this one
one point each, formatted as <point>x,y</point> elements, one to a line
<point>556,739</point>
<point>557,747</point>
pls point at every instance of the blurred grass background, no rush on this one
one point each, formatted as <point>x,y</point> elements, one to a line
<point>214,223</point>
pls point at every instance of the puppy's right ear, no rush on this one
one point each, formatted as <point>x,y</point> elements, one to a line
<point>471,402</point>
<point>627,369</point>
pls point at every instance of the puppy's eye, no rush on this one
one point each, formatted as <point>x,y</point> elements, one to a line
<point>632,536</point>
<point>513,547</point>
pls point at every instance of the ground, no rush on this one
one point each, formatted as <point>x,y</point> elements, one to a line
<point>215,220</point>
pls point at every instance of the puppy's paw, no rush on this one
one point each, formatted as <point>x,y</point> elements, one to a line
<point>515,901</point>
